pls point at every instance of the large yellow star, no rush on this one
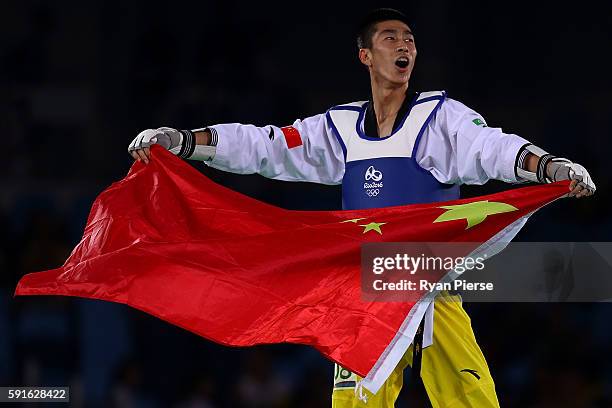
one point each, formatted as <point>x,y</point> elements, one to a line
<point>372,226</point>
<point>474,213</point>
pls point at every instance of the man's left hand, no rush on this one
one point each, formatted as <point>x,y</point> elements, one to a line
<point>562,169</point>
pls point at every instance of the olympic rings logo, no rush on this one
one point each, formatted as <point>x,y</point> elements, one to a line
<point>373,192</point>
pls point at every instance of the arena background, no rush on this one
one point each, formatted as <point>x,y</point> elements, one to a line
<point>79,80</point>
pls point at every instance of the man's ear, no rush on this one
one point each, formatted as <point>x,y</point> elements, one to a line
<point>365,56</point>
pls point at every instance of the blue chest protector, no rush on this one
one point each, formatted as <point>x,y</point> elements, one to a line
<point>382,172</point>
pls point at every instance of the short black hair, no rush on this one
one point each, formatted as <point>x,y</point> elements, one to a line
<point>367,27</point>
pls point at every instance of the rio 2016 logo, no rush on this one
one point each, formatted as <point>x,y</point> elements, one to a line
<point>373,174</point>
<point>372,189</point>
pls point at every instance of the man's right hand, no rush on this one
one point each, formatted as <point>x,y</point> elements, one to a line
<point>168,138</point>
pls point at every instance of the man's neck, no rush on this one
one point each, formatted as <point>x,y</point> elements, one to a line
<point>387,102</point>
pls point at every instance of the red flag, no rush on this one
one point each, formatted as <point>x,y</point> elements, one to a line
<point>170,242</point>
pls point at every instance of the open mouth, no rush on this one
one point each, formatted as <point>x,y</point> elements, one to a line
<point>402,62</point>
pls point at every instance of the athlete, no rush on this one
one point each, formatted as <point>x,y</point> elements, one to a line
<point>400,147</point>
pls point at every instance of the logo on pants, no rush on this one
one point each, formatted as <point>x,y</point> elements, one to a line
<point>343,378</point>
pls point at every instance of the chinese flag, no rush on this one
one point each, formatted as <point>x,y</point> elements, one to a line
<point>170,242</point>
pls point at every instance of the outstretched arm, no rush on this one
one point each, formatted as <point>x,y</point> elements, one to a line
<point>305,151</point>
<point>461,149</point>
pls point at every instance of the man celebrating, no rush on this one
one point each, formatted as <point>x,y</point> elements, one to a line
<point>400,147</point>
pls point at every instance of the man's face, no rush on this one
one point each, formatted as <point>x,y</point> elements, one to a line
<point>393,53</point>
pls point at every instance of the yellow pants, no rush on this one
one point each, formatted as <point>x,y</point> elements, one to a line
<point>453,369</point>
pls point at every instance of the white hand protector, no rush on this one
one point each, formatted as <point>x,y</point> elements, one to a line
<point>551,169</point>
<point>563,169</point>
<point>166,137</point>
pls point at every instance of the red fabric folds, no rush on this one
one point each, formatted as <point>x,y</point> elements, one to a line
<point>172,243</point>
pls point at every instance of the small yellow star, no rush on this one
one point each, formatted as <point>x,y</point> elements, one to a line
<point>354,220</point>
<point>373,226</point>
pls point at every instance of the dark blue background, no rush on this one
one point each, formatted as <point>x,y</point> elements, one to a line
<point>79,80</point>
